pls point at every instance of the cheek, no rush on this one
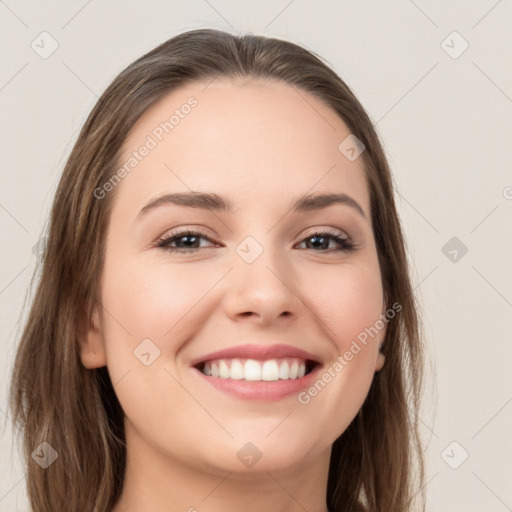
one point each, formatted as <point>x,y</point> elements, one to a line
<point>150,301</point>
<point>147,310</point>
<point>350,305</point>
<point>350,302</point>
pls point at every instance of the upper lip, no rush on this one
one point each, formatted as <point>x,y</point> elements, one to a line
<point>258,352</point>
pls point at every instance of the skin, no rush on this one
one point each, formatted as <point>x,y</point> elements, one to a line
<point>260,145</point>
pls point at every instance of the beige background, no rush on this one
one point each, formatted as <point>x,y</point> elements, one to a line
<point>445,120</point>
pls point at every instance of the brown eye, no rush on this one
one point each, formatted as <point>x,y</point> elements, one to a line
<point>186,241</point>
<point>321,240</point>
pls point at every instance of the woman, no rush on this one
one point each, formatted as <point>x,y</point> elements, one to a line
<point>224,317</point>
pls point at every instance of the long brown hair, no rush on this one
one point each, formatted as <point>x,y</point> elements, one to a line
<point>376,464</point>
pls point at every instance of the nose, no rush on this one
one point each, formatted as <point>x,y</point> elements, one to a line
<point>261,291</point>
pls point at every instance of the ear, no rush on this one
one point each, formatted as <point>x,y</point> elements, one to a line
<point>92,346</point>
<point>379,363</point>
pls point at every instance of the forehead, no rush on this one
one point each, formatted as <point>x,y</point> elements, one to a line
<point>236,137</point>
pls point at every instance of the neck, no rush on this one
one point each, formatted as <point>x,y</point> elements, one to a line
<point>157,483</point>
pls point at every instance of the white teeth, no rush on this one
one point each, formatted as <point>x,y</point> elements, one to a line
<point>294,370</point>
<point>223,370</point>
<point>236,370</point>
<point>270,371</point>
<point>284,370</point>
<point>255,370</point>
<point>252,370</point>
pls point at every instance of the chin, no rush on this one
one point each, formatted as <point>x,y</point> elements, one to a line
<point>255,455</point>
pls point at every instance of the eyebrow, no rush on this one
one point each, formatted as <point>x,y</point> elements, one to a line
<point>214,202</point>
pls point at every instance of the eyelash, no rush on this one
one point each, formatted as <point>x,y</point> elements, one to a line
<point>163,243</point>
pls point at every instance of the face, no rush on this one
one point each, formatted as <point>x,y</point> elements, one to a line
<point>182,281</point>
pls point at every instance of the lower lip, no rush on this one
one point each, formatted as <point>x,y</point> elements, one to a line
<point>266,391</point>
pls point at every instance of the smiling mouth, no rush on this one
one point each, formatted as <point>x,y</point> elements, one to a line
<point>286,368</point>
